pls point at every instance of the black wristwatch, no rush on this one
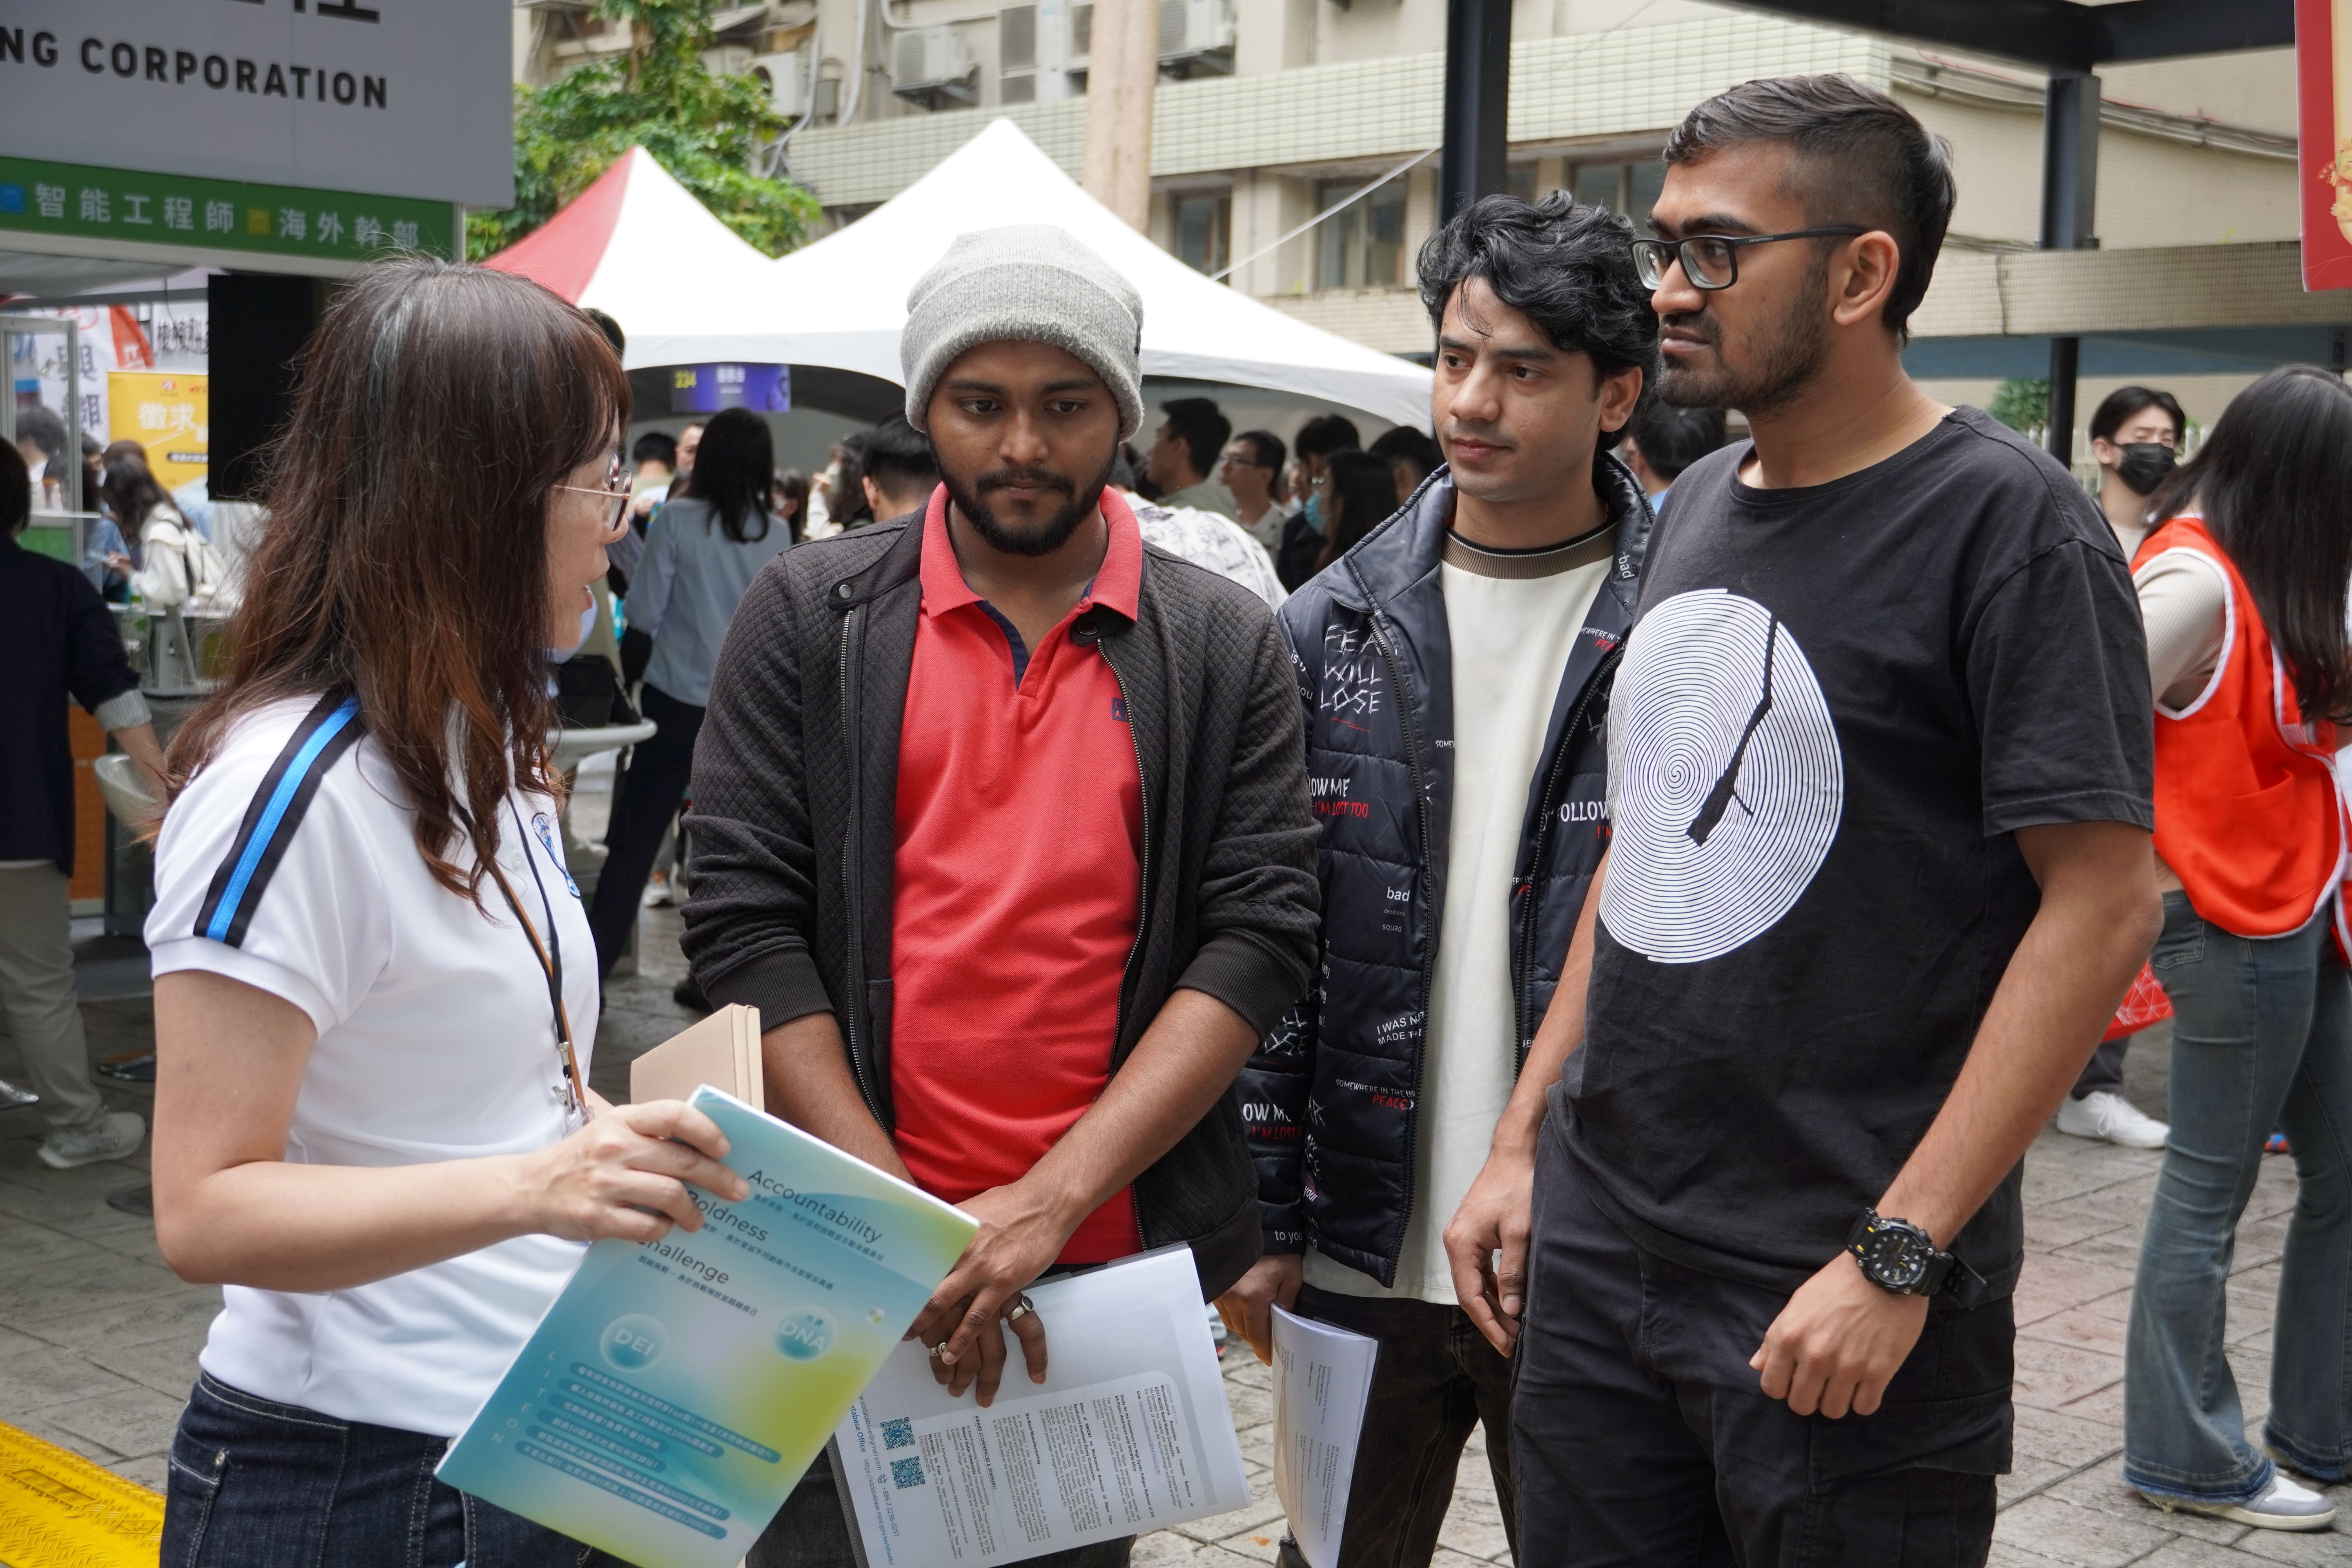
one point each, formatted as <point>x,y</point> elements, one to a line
<point>1897,1255</point>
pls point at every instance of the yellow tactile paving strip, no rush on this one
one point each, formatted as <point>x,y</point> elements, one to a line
<point>60,1510</point>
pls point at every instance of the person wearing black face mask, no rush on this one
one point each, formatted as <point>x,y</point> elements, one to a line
<point>2133,436</point>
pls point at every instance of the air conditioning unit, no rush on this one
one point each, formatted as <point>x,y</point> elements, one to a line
<point>727,59</point>
<point>933,67</point>
<point>787,76</point>
<point>1196,37</point>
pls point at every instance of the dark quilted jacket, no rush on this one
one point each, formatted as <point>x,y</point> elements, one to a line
<point>793,833</point>
<point>1332,1100</point>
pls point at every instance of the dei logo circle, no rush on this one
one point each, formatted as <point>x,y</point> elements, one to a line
<point>805,1334</point>
<point>635,1343</point>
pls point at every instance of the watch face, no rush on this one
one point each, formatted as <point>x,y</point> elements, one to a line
<point>1895,1261</point>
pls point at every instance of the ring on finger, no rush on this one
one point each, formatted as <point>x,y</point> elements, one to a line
<point>933,1351</point>
<point>1022,1308</point>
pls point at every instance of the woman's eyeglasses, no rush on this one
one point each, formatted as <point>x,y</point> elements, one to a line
<point>615,491</point>
<point>1712,260</point>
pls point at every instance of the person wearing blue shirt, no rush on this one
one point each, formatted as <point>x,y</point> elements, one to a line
<point>702,550</point>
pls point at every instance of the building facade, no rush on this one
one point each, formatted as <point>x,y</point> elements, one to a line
<point>1272,113</point>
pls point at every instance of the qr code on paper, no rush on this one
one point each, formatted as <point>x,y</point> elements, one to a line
<point>904,1473</point>
<point>898,1434</point>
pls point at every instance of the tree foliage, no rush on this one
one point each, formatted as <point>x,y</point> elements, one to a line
<point>708,130</point>
<point>2022,403</point>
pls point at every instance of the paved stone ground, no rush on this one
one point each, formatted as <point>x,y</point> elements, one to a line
<point>98,1341</point>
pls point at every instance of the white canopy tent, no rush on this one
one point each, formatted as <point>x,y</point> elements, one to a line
<point>842,301</point>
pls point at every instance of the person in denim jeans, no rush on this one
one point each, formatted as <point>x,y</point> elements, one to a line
<point>2243,594</point>
<point>372,1124</point>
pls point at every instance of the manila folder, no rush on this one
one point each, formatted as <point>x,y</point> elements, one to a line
<point>723,1051</point>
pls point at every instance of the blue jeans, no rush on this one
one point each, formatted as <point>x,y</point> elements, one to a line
<point>2261,1037</point>
<point>255,1484</point>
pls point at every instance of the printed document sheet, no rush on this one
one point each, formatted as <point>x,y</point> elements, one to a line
<point>1322,1378</point>
<point>1129,1433</point>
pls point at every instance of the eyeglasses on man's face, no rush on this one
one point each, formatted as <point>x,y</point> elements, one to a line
<point>615,493</point>
<point>1711,261</point>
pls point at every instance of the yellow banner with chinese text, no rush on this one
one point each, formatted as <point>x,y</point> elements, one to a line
<point>169,413</point>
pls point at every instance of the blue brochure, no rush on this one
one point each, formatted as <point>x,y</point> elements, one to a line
<point>677,1390</point>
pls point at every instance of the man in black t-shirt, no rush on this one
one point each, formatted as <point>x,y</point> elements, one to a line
<point>1880,872</point>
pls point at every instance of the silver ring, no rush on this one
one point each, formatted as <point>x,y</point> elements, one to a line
<point>1020,1309</point>
<point>933,1352</point>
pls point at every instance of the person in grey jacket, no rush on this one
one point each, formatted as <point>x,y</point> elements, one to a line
<point>701,553</point>
<point>1001,820</point>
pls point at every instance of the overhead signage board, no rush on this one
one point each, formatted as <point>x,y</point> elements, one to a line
<point>87,203</point>
<point>392,98</point>
<point>2323,48</point>
<point>707,388</point>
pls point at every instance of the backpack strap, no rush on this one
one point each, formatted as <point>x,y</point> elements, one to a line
<point>330,729</point>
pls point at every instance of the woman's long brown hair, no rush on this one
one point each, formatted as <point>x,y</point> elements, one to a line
<point>403,554</point>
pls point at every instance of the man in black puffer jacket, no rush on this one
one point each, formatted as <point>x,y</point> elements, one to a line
<point>1455,670</point>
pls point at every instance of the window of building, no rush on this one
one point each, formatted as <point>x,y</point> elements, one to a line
<point>1204,229</point>
<point>1362,246</point>
<point>1631,189</point>
<point>1520,182</point>
<point>1016,55</point>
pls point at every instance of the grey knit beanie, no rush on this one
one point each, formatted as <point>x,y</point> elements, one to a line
<point>1024,283</point>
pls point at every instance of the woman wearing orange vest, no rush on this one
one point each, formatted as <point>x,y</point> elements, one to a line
<point>2243,593</point>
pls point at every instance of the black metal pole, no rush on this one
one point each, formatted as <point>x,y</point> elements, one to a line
<point>2070,196</point>
<point>1475,161</point>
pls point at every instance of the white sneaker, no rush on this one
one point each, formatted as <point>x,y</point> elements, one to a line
<point>117,1137</point>
<point>2282,1506</point>
<point>658,895</point>
<point>2103,1113</point>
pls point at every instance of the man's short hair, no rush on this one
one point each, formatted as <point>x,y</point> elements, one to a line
<point>1406,445</point>
<point>1202,427</point>
<point>1860,158</point>
<point>1673,438</point>
<point>1324,435</point>
<point>654,447</point>
<point>1567,268</point>
<point>2124,402</point>
<point>43,428</point>
<point>897,457</point>
<point>1265,449</point>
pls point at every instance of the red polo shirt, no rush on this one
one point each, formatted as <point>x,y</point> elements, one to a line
<point>1020,838</point>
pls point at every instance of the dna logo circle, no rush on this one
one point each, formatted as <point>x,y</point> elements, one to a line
<point>1728,784</point>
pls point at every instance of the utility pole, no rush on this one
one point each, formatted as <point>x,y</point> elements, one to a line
<point>1123,67</point>
<point>2070,201</point>
<point>1476,160</point>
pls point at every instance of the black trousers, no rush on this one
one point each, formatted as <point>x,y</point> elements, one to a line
<point>1640,1435</point>
<point>650,795</point>
<point>1436,1379</point>
<point>2104,1070</point>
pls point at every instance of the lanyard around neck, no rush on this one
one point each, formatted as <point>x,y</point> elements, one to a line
<point>550,954</point>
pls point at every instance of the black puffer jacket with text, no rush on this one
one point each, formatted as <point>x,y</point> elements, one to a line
<point>1332,1100</point>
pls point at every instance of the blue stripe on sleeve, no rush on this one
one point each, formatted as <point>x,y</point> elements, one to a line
<point>224,916</point>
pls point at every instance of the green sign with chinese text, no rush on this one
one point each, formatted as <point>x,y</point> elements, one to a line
<point>223,215</point>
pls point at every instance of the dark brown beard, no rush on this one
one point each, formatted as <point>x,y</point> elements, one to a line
<point>1083,499</point>
<point>1787,364</point>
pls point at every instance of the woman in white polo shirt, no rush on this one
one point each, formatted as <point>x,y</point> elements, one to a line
<point>374,988</point>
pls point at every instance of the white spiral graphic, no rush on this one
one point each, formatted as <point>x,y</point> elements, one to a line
<point>1726,780</point>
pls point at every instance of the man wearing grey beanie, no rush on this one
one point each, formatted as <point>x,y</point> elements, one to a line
<point>1001,820</point>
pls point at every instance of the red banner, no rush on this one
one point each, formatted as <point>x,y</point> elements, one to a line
<point>2323,79</point>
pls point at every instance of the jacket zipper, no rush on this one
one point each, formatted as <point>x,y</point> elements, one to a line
<point>1535,864</point>
<point>1429,950</point>
<point>851,881</point>
<point>1143,898</point>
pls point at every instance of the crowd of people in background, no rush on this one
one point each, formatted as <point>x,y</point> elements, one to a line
<point>1596,900</point>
